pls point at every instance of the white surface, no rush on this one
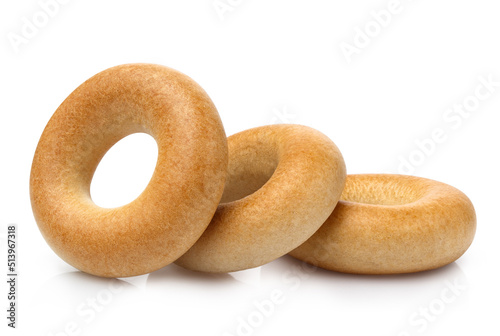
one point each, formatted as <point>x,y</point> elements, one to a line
<point>266,62</point>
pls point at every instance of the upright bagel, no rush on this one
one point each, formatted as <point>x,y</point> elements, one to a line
<point>387,224</point>
<point>179,201</point>
<point>270,203</point>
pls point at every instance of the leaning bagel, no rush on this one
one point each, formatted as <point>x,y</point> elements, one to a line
<point>387,224</point>
<point>177,204</point>
<point>270,203</point>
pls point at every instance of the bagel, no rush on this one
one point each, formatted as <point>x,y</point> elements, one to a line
<point>178,203</point>
<point>270,203</point>
<point>389,224</point>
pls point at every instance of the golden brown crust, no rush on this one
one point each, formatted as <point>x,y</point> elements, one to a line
<point>179,201</point>
<point>387,224</point>
<point>270,203</point>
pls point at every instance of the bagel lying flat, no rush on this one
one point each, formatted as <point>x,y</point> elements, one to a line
<point>271,202</point>
<point>179,201</point>
<point>387,224</point>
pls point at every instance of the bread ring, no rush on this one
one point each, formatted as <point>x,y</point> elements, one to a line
<point>387,224</point>
<point>270,203</point>
<point>177,204</point>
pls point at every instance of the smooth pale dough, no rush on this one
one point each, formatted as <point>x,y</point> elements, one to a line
<point>179,201</point>
<point>283,182</point>
<point>388,224</point>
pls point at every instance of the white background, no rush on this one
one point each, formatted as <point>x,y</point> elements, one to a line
<point>264,62</point>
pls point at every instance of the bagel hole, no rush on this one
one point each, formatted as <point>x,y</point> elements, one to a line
<point>380,193</point>
<point>248,172</point>
<point>124,171</point>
